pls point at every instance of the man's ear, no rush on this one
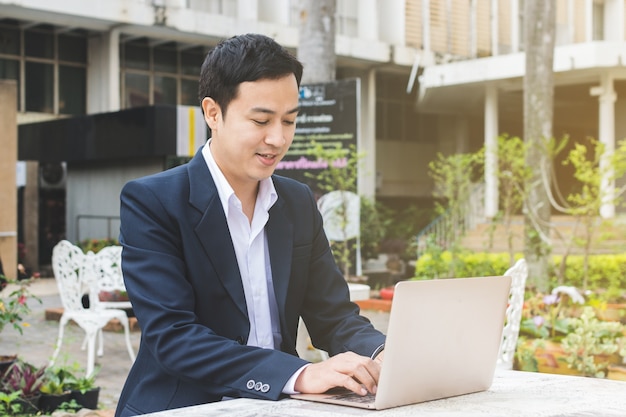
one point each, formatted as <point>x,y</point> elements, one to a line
<point>212,112</point>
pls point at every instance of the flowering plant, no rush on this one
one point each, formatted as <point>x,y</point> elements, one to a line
<point>547,316</point>
<point>95,245</point>
<point>14,306</point>
<point>592,337</point>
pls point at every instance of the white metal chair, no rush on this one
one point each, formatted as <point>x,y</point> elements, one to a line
<point>510,333</point>
<point>107,270</point>
<point>70,266</point>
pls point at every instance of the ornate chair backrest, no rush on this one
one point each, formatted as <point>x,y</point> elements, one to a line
<point>108,269</point>
<point>68,265</point>
<point>510,333</point>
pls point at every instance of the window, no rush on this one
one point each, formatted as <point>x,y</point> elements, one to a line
<point>137,88</point>
<point>165,73</point>
<point>39,43</point>
<point>191,60</point>
<point>189,92</point>
<point>396,116</point>
<point>347,18</point>
<point>53,63</point>
<point>72,48</point>
<point>10,70</point>
<point>72,94</point>
<point>164,90</point>
<point>223,7</point>
<point>9,41</point>
<point>39,87</point>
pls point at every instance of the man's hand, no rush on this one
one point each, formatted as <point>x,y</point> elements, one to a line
<point>357,373</point>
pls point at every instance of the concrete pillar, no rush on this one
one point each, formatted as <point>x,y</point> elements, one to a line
<point>8,184</point>
<point>606,131</point>
<point>103,73</point>
<point>113,72</point>
<point>367,137</point>
<point>31,215</point>
<point>491,151</point>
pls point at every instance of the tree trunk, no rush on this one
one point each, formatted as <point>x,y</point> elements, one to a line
<point>316,46</point>
<point>316,51</point>
<point>539,38</point>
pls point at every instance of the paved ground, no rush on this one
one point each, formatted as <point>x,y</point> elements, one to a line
<point>36,345</point>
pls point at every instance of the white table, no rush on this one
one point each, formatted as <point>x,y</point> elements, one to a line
<point>512,394</point>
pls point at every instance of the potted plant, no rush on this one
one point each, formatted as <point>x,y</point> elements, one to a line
<point>9,405</point>
<point>610,303</point>
<point>618,371</point>
<point>545,322</point>
<point>114,295</point>
<point>25,379</point>
<point>593,344</point>
<point>560,335</point>
<point>53,390</point>
<point>5,362</point>
<point>83,389</point>
<point>95,245</point>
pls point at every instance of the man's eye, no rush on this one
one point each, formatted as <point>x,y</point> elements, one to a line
<point>289,122</point>
<point>261,122</point>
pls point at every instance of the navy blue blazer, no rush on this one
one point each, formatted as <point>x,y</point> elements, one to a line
<point>182,277</point>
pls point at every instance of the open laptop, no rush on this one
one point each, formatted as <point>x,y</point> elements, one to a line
<point>443,340</point>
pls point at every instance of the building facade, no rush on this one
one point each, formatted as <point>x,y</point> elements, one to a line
<point>435,76</point>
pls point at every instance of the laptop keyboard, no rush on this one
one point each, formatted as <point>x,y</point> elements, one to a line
<point>354,398</point>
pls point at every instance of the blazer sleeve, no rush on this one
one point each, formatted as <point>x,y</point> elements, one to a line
<point>317,287</point>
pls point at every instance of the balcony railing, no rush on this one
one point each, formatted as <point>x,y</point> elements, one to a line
<point>448,227</point>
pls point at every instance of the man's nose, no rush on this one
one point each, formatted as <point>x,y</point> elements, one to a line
<point>276,135</point>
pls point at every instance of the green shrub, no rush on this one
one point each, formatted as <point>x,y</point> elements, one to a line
<point>607,273</point>
<point>468,264</point>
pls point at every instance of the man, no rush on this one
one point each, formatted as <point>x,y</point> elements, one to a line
<point>221,259</point>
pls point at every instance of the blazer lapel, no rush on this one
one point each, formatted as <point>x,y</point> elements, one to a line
<point>203,196</point>
<point>279,231</point>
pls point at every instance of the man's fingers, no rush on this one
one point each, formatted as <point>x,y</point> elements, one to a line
<point>356,373</point>
<point>366,378</point>
<point>353,385</point>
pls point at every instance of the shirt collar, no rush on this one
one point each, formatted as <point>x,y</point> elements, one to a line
<point>266,196</point>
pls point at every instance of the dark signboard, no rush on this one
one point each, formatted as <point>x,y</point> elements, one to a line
<point>328,116</point>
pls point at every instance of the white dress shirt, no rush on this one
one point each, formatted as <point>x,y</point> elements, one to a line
<point>251,250</point>
<point>250,243</point>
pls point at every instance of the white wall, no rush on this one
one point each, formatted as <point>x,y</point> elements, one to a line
<point>95,190</point>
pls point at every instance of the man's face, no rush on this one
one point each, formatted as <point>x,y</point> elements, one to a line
<point>257,131</point>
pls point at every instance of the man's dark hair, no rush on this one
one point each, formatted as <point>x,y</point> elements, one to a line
<point>242,58</point>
